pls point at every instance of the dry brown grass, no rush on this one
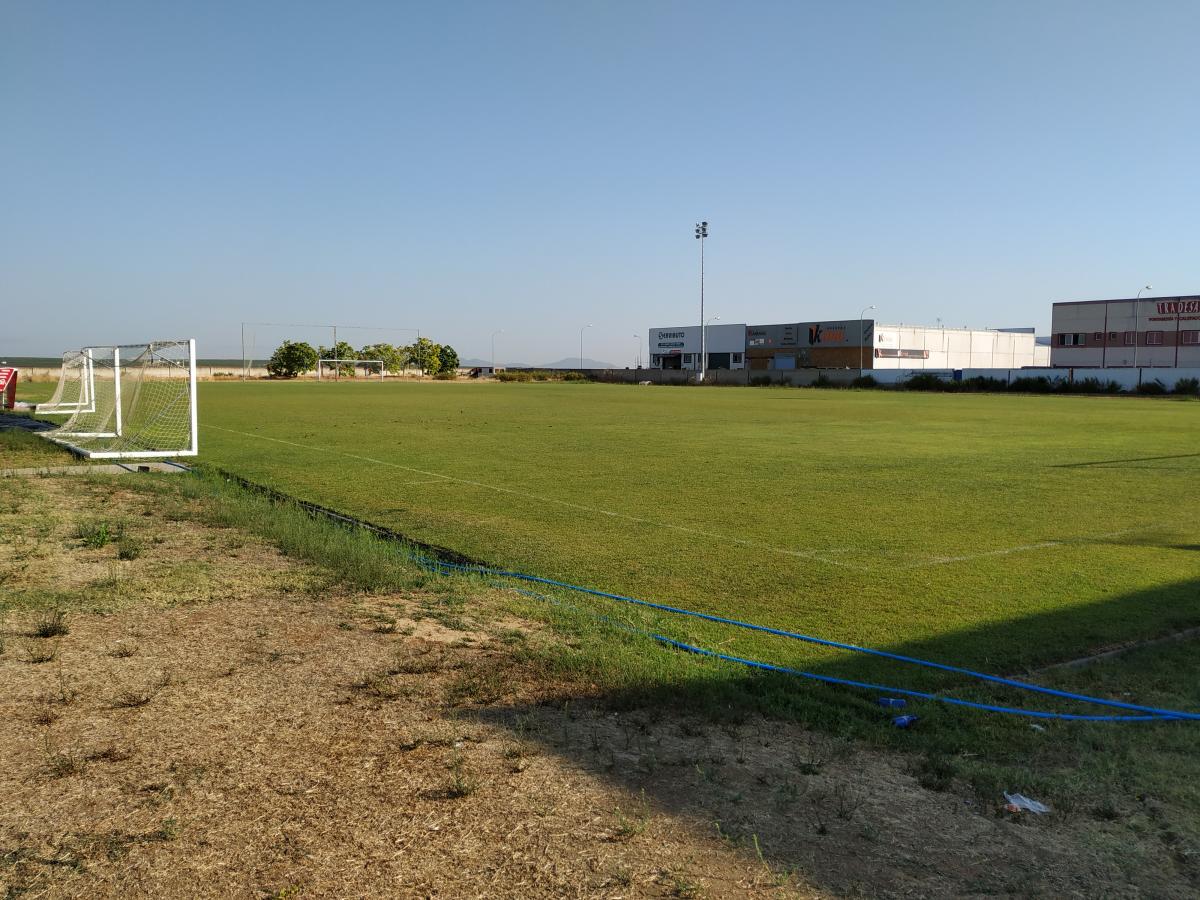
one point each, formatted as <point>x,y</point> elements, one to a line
<point>299,749</point>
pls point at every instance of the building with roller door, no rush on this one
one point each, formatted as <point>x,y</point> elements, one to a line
<point>678,347</point>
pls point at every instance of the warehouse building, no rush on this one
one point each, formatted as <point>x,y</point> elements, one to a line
<point>1146,332</point>
<point>846,344</point>
<point>679,347</point>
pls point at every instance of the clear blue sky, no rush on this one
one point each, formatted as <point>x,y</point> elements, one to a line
<point>171,169</point>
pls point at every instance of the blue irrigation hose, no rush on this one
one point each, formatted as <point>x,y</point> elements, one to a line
<point>845,682</point>
<point>1151,713</point>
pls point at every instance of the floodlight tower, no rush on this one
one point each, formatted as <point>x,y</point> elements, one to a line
<point>701,234</point>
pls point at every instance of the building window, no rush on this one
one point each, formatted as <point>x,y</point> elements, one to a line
<point>687,358</point>
<point>1129,338</point>
<point>1189,337</point>
<point>1071,340</point>
<point>1154,338</point>
<point>735,357</point>
<point>1112,335</point>
<point>1099,336</point>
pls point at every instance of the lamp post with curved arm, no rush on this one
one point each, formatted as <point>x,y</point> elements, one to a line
<point>704,339</point>
<point>1137,324</point>
<point>494,333</point>
<point>862,313</point>
<point>581,331</point>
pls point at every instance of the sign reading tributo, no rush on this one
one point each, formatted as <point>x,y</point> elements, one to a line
<point>669,339</point>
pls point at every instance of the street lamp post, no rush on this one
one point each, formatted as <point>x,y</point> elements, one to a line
<point>862,313</point>
<point>1137,324</point>
<point>704,336</point>
<point>494,333</point>
<point>701,234</point>
<point>581,331</point>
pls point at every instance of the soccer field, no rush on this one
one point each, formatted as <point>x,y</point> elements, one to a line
<point>993,530</point>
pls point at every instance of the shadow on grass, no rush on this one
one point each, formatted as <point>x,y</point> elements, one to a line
<point>1117,462</point>
<point>788,769</point>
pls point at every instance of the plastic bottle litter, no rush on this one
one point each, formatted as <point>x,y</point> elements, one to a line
<point>1021,803</point>
<point>892,702</point>
<point>904,721</point>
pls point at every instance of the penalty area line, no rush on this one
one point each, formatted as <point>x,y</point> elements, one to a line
<point>436,476</point>
<point>1025,548</point>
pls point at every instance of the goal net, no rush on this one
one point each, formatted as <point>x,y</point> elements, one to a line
<point>127,402</point>
<point>75,385</point>
<point>333,368</point>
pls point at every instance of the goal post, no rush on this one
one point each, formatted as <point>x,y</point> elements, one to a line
<point>371,367</point>
<point>132,401</point>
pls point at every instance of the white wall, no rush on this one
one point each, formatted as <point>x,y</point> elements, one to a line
<point>1128,378</point>
<point>956,348</point>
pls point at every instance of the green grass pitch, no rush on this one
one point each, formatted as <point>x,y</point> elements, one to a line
<point>987,530</point>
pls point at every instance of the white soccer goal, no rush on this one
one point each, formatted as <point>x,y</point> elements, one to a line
<point>132,401</point>
<point>370,366</point>
<point>76,386</point>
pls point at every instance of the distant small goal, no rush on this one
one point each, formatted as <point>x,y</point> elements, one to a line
<point>127,401</point>
<point>335,368</point>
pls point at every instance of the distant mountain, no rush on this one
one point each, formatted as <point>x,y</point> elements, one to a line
<point>476,361</point>
<point>565,363</point>
<point>573,363</point>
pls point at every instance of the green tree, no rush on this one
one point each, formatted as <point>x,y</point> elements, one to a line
<point>292,358</point>
<point>394,358</point>
<point>341,350</point>
<point>449,358</point>
<point>423,354</point>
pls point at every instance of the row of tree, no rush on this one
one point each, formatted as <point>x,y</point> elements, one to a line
<point>292,358</point>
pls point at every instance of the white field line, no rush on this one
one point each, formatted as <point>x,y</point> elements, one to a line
<point>1023,548</point>
<point>435,476</point>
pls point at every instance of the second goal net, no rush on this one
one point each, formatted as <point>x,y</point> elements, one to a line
<point>334,368</point>
<point>127,402</point>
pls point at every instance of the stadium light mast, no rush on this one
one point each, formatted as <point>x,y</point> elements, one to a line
<point>1137,323</point>
<point>637,356</point>
<point>494,333</point>
<point>581,331</point>
<point>862,313</point>
<point>701,234</point>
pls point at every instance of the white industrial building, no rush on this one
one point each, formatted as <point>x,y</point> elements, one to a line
<point>846,344</point>
<point>926,347</point>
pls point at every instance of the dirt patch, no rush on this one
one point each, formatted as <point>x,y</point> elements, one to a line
<point>216,719</point>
